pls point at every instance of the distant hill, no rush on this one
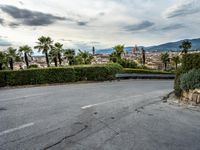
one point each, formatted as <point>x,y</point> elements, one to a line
<point>171,46</point>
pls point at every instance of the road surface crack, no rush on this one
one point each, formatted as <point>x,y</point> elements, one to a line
<point>66,137</point>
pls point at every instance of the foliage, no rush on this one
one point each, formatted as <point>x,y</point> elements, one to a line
<point>70,55</point>
<point>146,71</point>
<point>2,60</point>
<point>176,60</point>
<point>33,66</point>
<point>59,75</point>
<point>97,72</point>
<point>12,56</point>
<point>118,51</point>
<point>185,46</point>
<point>44,45</point>
<point>55,53</point>
<point>84,57</point>
<point>190,80</point>
<point>127,63</point>
<point>165,59</point>
<point>27,52</point>
<point>189,62</point>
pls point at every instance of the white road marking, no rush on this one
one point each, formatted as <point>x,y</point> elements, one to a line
<point>26,96</point>
<point>16,129</point>
<point>102,103</point>
<point>119,99</point>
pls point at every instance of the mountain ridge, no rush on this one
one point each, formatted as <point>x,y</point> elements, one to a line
<point>169,46</point>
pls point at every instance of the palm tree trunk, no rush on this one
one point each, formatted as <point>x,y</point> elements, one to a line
<point>47,59</point>
<point>165,66</point>
<point>11,64</point>
<point>59,58</point>
<point>26,60</point>
<point>1,66</point>
<point>176,66</point>
<point>55,62</point>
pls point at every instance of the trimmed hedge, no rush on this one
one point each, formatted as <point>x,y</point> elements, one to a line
<point>190,80</point>
<point>189,62</point>
<point>144,71</point>
<point>59,75</point>
<point>97,72</point>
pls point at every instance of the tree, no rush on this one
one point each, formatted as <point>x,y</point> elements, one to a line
<point>85,56</point>
<point>165,59</point>
<point>70,55</point>
<point>11,56</point>
<point>55,53</point>
<point>118,50</point>
<point>176,60</point>
<point>2,59</point>
<point>59,49</point>
<point>27,52</point>
<point>185,46</point>
<point>143,57</point>
<point>44,45</point>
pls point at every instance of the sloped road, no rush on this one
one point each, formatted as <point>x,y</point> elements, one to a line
<point>98,116</point>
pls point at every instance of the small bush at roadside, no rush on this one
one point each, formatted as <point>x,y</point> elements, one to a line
<point>190,80</point>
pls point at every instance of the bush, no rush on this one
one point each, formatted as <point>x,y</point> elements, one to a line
<point>127,63</point>
<point>144,71</point>
<point>97,72</point>
<point>33,66</point>
<point>189,61</point>
<point>190,80</point>
<point>59,75</point>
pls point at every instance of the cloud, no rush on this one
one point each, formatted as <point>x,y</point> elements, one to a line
<point>140,26</point>
<point>1,21</point>
<point>82,23</point>
<point>30,18</point>
<point>173,27</point>
<point>4,42</point>
<point>183,9</point>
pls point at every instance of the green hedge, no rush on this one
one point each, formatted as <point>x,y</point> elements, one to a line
<point>59,75</point>
<point>144,71</point>
<point>189,62</point>
<point>190,80</point>
<point>97,72</point>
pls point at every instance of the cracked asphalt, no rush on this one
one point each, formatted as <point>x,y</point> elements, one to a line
<point>128,115</point>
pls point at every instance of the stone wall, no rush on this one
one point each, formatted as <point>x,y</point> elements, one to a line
<point>191,96</point>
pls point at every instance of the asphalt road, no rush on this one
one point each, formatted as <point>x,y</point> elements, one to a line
<point>128,115</point>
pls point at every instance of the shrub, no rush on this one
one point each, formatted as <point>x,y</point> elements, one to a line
<point>190,80</point>
<point>127,63</point>
<point>33,66</point>
<point>59,75</point>
<point>144,71</point>
<point>97,72</point>
<point>189,61</point>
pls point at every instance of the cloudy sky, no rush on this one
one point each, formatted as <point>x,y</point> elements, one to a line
<point>100,23</point>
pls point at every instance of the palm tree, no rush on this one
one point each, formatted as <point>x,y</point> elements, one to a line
<point>44,45</point>
<point>70,55</point>
<point>27,51</point>
<point>118,50</point>
<point>185,46</point>
<point>165,59</point>
<point>55,53</point>
<point>2,59</point>
<point>86,57</point>
<point>11,56</point>
<point>176,60</point>
<point>59,49</point>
